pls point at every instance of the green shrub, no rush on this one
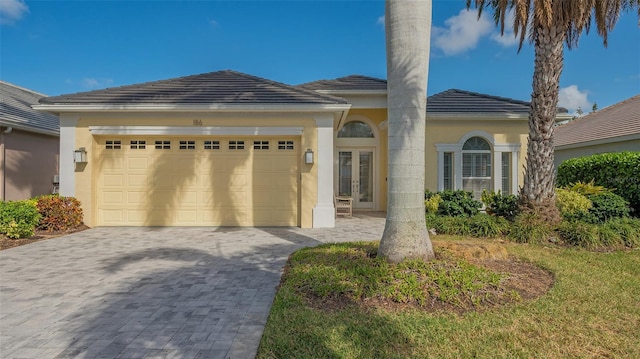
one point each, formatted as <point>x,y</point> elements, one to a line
<point>482,225</point>
<point>571,202</point>
<point>59,213</point>
<point>501,205</point>
<point>580,234</point>
<point>627,228</point>
<point>458,203</point>
<point>18,219</point>
<point>619,170</point>
<point>454,225</point>
<point>587,188</point>
<point>608,205</point>
<point>528,227</point>
<point>432,203</point>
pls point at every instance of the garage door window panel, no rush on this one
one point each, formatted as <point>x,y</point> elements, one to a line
<point>211,145</point>
<point>187,145</point>
<point>285,145</point>
<point>236,145</point>
<point>163,145</point>
<point>113,144</point>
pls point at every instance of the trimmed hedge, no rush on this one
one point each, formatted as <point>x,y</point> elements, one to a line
<point>458,203</point>
<point>18,219</point>
<point>59,213</point>
<point>620,170</point>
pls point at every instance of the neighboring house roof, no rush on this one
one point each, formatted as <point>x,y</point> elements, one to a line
<point>620,121</point>
<point>221,87</point>
<point>348,83</point>
<point>16,111</point>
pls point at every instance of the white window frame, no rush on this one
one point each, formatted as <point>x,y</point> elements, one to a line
<point>498,149</point>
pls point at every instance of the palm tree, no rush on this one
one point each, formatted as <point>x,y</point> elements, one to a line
<point>408,26</point>
<point>549,25</point>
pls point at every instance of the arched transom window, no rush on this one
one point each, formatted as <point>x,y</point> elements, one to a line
<point>476,166</point>
<point>355,129</point>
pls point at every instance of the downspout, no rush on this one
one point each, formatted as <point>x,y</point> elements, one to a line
<point>3,130</point>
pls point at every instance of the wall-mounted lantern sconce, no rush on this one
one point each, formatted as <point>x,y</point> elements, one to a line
<point>80,155</point>
<point>308,157</point>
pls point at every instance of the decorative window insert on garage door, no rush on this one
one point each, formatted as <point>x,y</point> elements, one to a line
<point>197,181</point>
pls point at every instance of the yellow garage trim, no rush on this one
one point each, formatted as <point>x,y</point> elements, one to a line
<point>197,130</point>
<point>197,181</point>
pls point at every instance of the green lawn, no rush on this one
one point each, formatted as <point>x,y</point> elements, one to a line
<point>593,310</point>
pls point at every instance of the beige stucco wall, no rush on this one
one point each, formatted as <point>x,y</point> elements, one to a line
<point>30,162</point>
<point>441,131</point>
<point>451,130</point>
<point>565,154</point>
<point>86,175</point>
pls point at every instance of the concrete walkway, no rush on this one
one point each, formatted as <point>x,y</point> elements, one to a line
<point>174,292</point>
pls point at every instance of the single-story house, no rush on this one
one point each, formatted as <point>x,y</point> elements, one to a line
<point>613,129</point>
<point>29,145</point>
<point>227,148</point>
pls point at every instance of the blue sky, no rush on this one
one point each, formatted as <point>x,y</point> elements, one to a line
<point>57,47</point>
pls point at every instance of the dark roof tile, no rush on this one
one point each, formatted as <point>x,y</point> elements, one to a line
<point>460,101</point>
<point>16,111</point>
<point>221,87</point>
<point>348,83</point>
<point>617,120</point>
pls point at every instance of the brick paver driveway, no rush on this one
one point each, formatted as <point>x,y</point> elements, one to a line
<point>151,292</point>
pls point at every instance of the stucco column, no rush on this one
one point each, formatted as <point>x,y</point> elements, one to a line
<point>497,171</point>
<point>324,215</point>
<point>514,171</point>
<point>67,147</point>
<point>457,175</point>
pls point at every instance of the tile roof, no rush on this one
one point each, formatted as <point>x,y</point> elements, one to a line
<point>16,111</point>
<point>460,101</point>
<point>449,101</point>
<point>620,119</point>
<point>221,87</point>
<point>353,83</point>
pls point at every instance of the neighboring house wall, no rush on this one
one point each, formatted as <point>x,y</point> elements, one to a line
<point>563,154</point>
<point>30,162</point>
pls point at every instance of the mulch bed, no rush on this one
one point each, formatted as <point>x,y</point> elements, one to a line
<point>40,235</point>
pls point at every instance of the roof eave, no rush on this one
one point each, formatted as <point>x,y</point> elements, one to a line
<point>352,92</point>
<point>482,115</point>
<point>41,131</point>
<point>600,141</point>
<point>59,108</point>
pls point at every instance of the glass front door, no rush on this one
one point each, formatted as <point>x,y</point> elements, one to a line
<point>355,176</point>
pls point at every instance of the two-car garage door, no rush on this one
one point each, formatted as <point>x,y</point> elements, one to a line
<point>197,181</point>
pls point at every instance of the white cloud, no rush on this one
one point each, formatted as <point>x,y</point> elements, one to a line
<point>213,23</point>
<point>462,32</point>
<point>380,21</point>
<point>572,98</point>
<point>12,11</point>
<point>509,38</point>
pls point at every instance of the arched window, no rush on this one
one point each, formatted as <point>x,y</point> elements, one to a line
<point>356,129</point>
<point>476,166</point>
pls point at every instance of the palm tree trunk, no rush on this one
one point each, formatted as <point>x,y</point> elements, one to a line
<point>538,193</point>
<point>408,27</point>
